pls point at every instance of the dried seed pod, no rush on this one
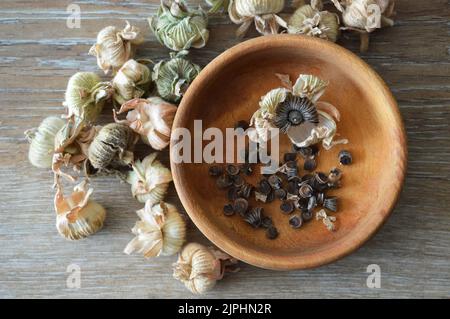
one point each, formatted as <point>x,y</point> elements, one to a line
<point>149,179</point>
<point>112,145</point>
<point>295,221</point>
<point>114,47</point>
<point>330,203</point>
<point>199,267</point>
<point>85,96</point>
<point>311,21</point>
<point>345,157</point>
<point>132,81</point>
<point>151,118</point>
<point>328,221</point>
<point>254,217</point>
<point>262,12</point>
<point>161,231</point>
<point>172,77</point>
<point>179,28</point>
<point>77,216</point>
<point>42,141</point>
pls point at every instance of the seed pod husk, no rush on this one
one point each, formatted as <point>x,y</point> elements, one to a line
<point>200,267</point>
<point>149,179</point>
<point>85,96</point>
<point>112,145</point>
<point>151,118</point>
<point>131,81</point>
<point>179,28</point>
<point>42,141</point>
<point>77,216</point>
<point>160,232</point>
<point>262,12</point>
<point>114,47</point>
<point>173,76</point>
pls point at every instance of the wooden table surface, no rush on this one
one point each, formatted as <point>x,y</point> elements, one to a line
<point>38,54</point>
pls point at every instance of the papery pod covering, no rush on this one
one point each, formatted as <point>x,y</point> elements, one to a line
<point>172,77</point>
<point>161,231</point>
<point>114,47</point>
<point>149,179</point>
<point>42,141</point>
<point>131,81</point>
<point>85,96</point>
<point>312,22</point>
<point>179,28</point>
<point>77,216</point>
<point>151,118</point>
<point>218,5</point>
<point>200,267</point>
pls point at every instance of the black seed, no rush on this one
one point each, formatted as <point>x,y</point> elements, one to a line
<point>254,217</point>
<point>295,221</point>
<point>228,210</point>
<point>232,169</point>
<point>233,193</point>
<point>314,149</point>
<point>307,177</point>
<point>270,197</point>
<point>280,193</point>
<point>238,181</point>
<point>310,164</point>
<point>241,124</point>
<point>272,232</point>
<point>266,222</point>
<point>287,207</point>
<point>293,187</point>
<point>215,170</point>
<point>322,178</point>
<point>246,169</point>
<point>312,203</point>
<point>245,191</point>
<point>330,203</point>
<point>264,187</point>
<point>240,206</point>
<point>345,158</point>
<point>224,181</point>
<point>320,198</point>
<point>305,190</point>
<point>288,157</point>
<point>291,169</point>
<point>307,215</point>
<point>334,177</point>
<point>302,204</point>
<point>274,181</point>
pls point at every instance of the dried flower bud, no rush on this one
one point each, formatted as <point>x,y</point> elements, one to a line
<point>218,5</point>
<point>112,145</point>
<point>161,231</point>
<point>312,22</point>
<point>178,28</point>
<point>200,267</point>
<point>262,12</point>
<point>152,118</point>
<point>132,81</point>
<point>149,179</point>
<point>85,96</point>
<point>42,141</point>
<point>172,77</point>
<point>77,216</point>
<point>114,47</point>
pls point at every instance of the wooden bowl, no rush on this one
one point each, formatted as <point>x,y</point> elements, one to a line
<point>229,89</point>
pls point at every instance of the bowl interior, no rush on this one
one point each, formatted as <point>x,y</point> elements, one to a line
<point>229,90</point>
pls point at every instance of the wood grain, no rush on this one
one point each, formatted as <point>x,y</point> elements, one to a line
<point>38,53</point>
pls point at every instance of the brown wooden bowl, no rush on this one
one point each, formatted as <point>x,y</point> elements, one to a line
<point>229,89</point>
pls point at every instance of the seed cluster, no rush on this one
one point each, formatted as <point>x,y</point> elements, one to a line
<point>299,194</point>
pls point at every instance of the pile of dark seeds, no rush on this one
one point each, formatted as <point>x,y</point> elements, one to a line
<point>299,194</point>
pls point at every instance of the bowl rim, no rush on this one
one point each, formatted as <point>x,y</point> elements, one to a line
<point>255,257</point>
